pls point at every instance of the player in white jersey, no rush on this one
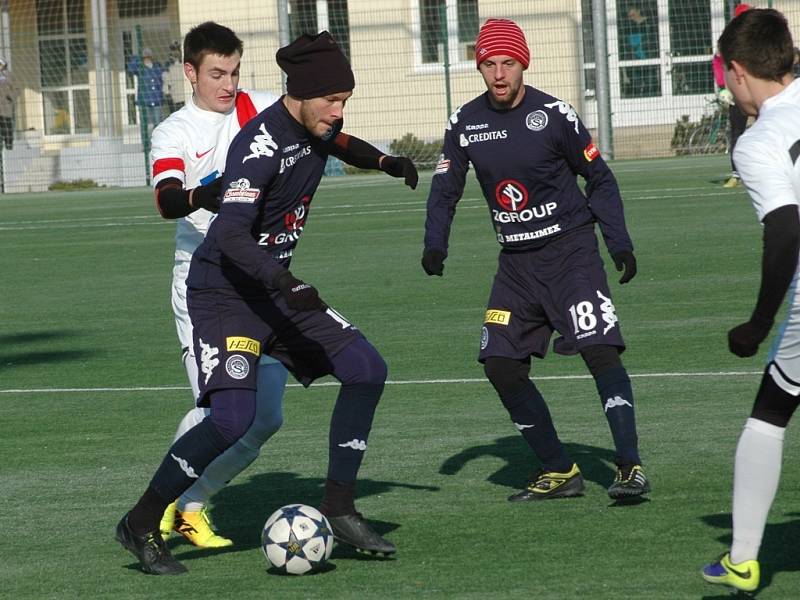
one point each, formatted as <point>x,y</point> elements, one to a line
<point>757,50</point>
<point>188,157</point>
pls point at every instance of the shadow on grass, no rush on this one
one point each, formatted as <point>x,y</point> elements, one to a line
<point>15,354</point>
<point>596,464</point>
<point>774,556</point>
<point>240,510</point>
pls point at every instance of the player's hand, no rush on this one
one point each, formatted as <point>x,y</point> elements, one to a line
<point>207,196</point>
<point>433,261</point>
<point>400,166</point>
<point>624,259</point>
<point>299,295</point>
<point>743,340</point>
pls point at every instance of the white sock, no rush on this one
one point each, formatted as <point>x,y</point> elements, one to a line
<point>756,473</point>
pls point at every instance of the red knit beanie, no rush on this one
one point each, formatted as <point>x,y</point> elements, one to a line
<point>501,36</point>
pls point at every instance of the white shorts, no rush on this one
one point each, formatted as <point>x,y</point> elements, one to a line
<point>785,352</point>
<point>182,322</point>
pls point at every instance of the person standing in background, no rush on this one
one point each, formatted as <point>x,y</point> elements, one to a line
<point>149,91</point>
<point>174,95</point>
<point>8,94</point>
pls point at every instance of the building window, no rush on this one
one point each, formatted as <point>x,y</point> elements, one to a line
<point>313,16</point>
<point>639,49</point>
<point>63,69</point>
<point>454,21</point>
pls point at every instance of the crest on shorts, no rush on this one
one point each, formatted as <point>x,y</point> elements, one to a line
<point>237,366</point>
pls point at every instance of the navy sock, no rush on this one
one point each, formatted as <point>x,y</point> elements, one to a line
<point>146,514</point>
<point>187,459</point>
<point>351,422</point>
<point>616,396</point>
<point>532,418</point>
<point>338,498</point>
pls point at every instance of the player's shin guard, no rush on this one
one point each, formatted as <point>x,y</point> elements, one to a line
<point>757,472</point>
<point>532,419</point>
<point>616,396</point>
<point>350,426</point>
<point>187,459</point>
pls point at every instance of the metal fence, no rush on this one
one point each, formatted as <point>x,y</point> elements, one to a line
<point>76,73</point>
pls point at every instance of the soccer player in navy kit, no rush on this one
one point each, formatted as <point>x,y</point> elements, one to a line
<point>758,53</point>
<point>527,148</point>
<point>244,302</point>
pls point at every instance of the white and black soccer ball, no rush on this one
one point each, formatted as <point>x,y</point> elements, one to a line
<point>297,539</point>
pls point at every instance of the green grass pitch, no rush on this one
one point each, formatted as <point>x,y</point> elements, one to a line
<point>91,390</point>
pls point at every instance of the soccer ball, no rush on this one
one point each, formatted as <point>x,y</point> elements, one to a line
<point>297,539</point>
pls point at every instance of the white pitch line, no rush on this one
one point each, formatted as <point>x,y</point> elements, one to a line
<point>401,382</point>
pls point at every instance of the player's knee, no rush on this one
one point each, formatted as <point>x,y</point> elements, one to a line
<point>358,363</point>
<point>601,358</point>
<point>508,375</point>
<point>264,426</point>
<point>773,404</point>
<point>232,412</point>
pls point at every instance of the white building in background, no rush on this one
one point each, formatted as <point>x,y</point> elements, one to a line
<point>76,117</point>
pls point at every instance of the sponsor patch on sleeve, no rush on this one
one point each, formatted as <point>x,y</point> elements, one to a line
<point>591,152</point>
<point>243,344</point>
<point>442,166</point>
<point>497,317</point>
<point>240,191</point>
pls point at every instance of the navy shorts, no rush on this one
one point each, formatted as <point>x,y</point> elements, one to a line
<point>231,333</point>
<point>560,287</point>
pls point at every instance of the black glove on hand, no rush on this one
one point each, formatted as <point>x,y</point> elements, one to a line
<point>743,340</point>
<point>299,295</point>
<point>400,166</point>
<point>433,261</point>
<point>624,259</point>
<point>207,196</point>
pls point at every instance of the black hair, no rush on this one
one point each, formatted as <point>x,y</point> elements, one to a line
<point>760,41</point>
<point>209,38</point>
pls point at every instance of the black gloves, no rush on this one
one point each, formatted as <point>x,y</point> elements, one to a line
<point>207,196</point>
<point>743,340</point>
<point>625,259</point>
<point>400,166</point>
<point>299,295</point>
<point>433,261</point>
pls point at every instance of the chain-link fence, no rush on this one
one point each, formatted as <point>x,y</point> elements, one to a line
<point>85,81</point>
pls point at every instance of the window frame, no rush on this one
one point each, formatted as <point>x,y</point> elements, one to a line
<point>454,44</point>
<point>65,38</point>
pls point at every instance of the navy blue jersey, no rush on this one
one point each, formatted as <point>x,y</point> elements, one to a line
<point>273,168</point>
<point>526,160</point>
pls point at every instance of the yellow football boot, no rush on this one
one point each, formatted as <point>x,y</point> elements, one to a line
<point>168,520</point>
<point>195,526</point>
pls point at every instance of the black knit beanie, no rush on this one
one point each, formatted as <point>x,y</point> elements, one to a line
<point>315,66</point>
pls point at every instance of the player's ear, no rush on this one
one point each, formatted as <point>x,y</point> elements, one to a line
<point>738,70</point>
<point>190,72</point>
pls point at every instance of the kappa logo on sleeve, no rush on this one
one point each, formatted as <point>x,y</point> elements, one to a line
<point>565,109</point>
<point>453,120</point>
<point>240,191</point>
<point>497,317</point>
<point>243,344</point>
<point>591,152</point>
<point>262,145</point>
